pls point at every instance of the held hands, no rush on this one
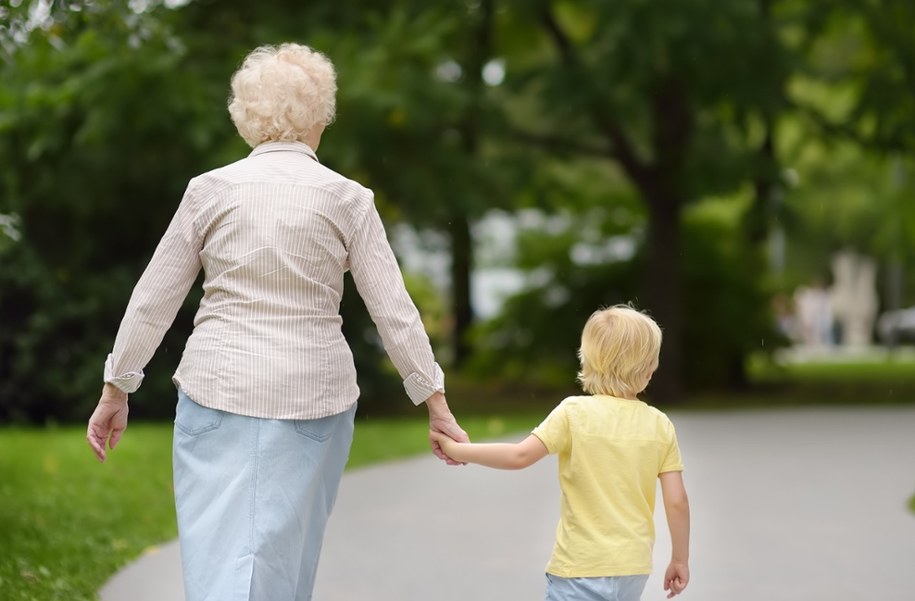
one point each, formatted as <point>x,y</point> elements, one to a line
<point>676,578</point>
<point>108,421</point>
<point>442,426</point>
<point>445,443</point>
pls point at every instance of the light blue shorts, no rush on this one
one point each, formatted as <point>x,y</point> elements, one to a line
<point>610,588</point>
<point>253,497</point>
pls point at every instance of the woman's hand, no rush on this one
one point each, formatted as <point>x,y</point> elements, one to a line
<point>108,421</point>
<point>441,420</point>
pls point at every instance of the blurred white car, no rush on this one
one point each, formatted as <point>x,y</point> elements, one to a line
<point>896,327</point>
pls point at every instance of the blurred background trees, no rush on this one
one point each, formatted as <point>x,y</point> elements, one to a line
<point>694,157</point>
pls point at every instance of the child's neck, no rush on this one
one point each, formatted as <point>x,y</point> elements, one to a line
<point>623,397</point>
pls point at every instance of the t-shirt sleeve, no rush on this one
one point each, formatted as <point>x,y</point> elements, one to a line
<point>554,431</point>
<point>671,460</point>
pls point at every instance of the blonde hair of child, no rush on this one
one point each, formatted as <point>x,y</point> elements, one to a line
<point>619,351</point>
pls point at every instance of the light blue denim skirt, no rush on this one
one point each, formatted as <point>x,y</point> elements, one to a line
<point>253,497</point>
<point>609,588</point>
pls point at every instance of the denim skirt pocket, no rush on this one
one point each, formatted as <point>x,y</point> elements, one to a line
<point>193,419</point>
<point>317,430</point>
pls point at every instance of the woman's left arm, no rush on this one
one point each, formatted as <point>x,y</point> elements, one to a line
<point>380,284</point>
<point>152,308</point>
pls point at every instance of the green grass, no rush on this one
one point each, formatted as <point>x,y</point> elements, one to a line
<point>881,380</point>
<point>878,370</point>
<point>68,523</point>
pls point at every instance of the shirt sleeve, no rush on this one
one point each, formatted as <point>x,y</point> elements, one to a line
<point>380,284</point>
<point>671,460</point>
<point>156,299</point>
<point>554,431</point>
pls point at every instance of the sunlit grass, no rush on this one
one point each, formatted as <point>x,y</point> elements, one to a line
<point>877,377</point>
<point>894,368</point>
<point>68,523</point>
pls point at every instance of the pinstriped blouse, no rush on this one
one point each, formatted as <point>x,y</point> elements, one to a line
<point>274,233</point>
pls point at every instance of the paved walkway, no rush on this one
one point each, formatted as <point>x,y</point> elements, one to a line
<point>803,505</point>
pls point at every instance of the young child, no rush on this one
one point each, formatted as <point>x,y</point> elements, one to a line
<point>612,447</point>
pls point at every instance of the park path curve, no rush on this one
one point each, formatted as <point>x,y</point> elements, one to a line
<point>793,505</point>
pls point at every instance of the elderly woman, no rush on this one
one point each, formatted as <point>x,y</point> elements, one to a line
<point>266,385</point>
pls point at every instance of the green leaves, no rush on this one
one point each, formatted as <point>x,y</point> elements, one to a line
<point>620,117</point>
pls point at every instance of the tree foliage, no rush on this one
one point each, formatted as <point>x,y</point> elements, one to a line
<point>616,121</point>
<point>633,82</point>
<point>95,102</point>
<point>110,110</point>
<point>850,143</point>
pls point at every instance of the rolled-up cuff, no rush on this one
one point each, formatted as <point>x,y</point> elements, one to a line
<point>128,382</point>
<point>419,388</point>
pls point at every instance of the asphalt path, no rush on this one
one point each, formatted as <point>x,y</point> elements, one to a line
<point>791,505</point>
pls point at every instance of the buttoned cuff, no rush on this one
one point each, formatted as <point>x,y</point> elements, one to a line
<point>128,382</point>
<point>419,388</point>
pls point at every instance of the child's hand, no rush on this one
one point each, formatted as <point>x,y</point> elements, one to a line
<point>676,578</point>
<point>443,440</point>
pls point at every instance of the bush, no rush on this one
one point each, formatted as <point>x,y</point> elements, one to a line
<point>726,307</point>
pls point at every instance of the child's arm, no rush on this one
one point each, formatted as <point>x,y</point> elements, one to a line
<point>676,506</point>
<point>505,456</point>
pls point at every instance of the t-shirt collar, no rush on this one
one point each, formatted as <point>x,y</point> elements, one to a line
<point>284,147</point>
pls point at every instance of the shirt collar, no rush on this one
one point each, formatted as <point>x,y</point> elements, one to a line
<point>284,147</point>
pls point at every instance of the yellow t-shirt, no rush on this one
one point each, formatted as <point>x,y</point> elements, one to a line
<point>611,452</point>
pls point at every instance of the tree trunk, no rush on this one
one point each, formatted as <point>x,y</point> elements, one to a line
<point>461,270</point>
<point>662,189</point>
<point>757,228</point>
<point>459,227</point>
<point>663,290</point>
<point>758,221</point>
